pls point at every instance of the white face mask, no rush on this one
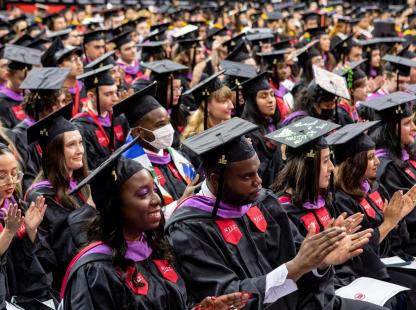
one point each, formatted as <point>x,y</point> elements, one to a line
<point>163,137</point>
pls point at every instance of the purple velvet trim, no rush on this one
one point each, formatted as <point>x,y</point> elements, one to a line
<point>131,70</point>
<point>281,91</point>
<point>72,90</point>
<point>405,155</point>
<point>189,76</point>
<point>29,121</point>
<point>2,85</point>
<point>225,210</point>
<point>365,186</point>
<point>159,160</point>
<point>5,207</point>
<point>12,94</point>
<point>136,250</point>
<point>271,126</point>
<point>44,183</point>
<point>292,116</point>
<point>373,73</point>
<point>72,184</point>
<point>381,153</point>
<point>105,121</point>
<point>313,206</point>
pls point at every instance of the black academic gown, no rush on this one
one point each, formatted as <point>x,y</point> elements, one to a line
<point>367,264</point>
<point>31,154</point>
<point>21,273</point>
<point>97,148</point>
<point>96,285</point>
<point>11,113</point>
<point>211,265</point>
<point>395,177</point>
<point>63,231</point>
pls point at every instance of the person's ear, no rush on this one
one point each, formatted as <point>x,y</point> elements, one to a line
<point>118,54</point>
<point>91,95</point>
<point>213,179</point>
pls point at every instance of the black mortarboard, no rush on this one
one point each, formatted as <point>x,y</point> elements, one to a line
<point>238,69</point>
<point>222,144</point>
<point>311,15</point>
<point>411,88</point>
<point>384,28</point>
<point>51,126</point>
<point>106,179</point>
<point>113,12</point>
<point>351,140</point>
<point>331,82</point>
<point>97,77</point>
<point>152,48</point>
<point>234,41</point>
<point>62,34</point>
<point>138,105</point>
<point>340,48</point>
<point>187,32</point>
<point>282,44</point>
<point>122,39</point>
<point>315,33</point>
<point>48,19</point>
<point>255,84</point>
<point>45,79</point>
<point>21,57</point>
<point>160,27</point>
<point>216,31</point>
<point>304,54</point>
<point>260,38</point>
<point>187,44</point>
<point>391,106</point>
<point>203,90</point>
<point>155,35</point>
<point>4,25</point>
<point>17,19</point>
<point>274,16</point>
<point>33,26</point>
<point>164,67</point>
<point>273,58</point>
<point>94,35</point>
<point>55,54</point>
<point>104,60</point>
<point>303,137</point>
<point>24,40</point>
<point>240,53</point>
<point>355,68</point>
<point>403,65</point>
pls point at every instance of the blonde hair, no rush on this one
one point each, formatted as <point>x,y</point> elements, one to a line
<point>196,120</point>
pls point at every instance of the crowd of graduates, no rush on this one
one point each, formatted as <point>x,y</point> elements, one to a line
<point>208,155</point>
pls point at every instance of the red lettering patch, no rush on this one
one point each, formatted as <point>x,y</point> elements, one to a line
<point>284,199</point>
<point>18,112</point>
<point>323,216</point>
<point>308,219</point>
<point>134,280</point>
<point>102,139</point>
<point>377,199</point>
<point>367,208</point>
<point>166,270</point>
<point>412,162</point>
<point>161,179</point>
<point>257,218</point>
<point>119,133</point>
<point>229,230</point>
<point>410,173</point>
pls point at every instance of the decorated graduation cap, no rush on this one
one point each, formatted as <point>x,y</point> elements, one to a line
<point>20,57</point>
<point>304,137</point>
<point>138,105</point>
<point>104,60</point>
<point>353,72</point>
<point>164,72</point>
<point>106,179</point>
<point>220,145</point>
<point>236,73</point>
<point>351,140</point>
<point>203,90</point>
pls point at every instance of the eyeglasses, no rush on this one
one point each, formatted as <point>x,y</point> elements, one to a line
<point>7,178</point>
<point>178,90</point>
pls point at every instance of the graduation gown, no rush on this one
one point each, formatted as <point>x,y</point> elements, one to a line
<point>99,285</point>
<point>96,137</point>
<point>367,264</point>
<point>31,154</point>
<point>220,256</point>
<point>396,176</point>
<point>63,230</point>
<point>11,113</point>
<point>21,273</point>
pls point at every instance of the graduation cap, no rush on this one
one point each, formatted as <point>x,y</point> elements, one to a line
<point>62,34</point>
<point>113,12</point>
<point>24,40</point>
<point>351,140</point>
<point>220,145</point>
<point>160,27</point>
<point>107,178</point>
<point>187,44</point>
<point>255,84</point>
<point>274,16</point>
<point>14,21</point>
<point>239,54</point>
<point>43,81</point>
<point>353,72</point>
<point>49,127</point>
<point>308,15</point>
<point>234,41</point>
<point>331,82</point>
<point>104,60</point>
<point>20,57</point>
<point>94,35</point>
<point>95,78</point>
<point>138,105</point>
<point>187,32</point>
<point>282,44</point>
<point>216,31</point>
<point>257,39</point>
<point>55,54</point>
<point>4,25</point>
<point>315,33</point>
<point>164,72</point>
<point>303,54</point>
<point>48,19</point>
<point>303,137</point>
<point>203,90</point>
<point>401,64</point>
<point>384,28</point>
<point>340,48</point>
<point>151,48</point>
<point>273,58</point>
<point>122,39</point>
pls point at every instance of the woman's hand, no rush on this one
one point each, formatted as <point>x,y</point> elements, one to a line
<point>232,301</point>
<point>13,219</point>
<point>34,216</point>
